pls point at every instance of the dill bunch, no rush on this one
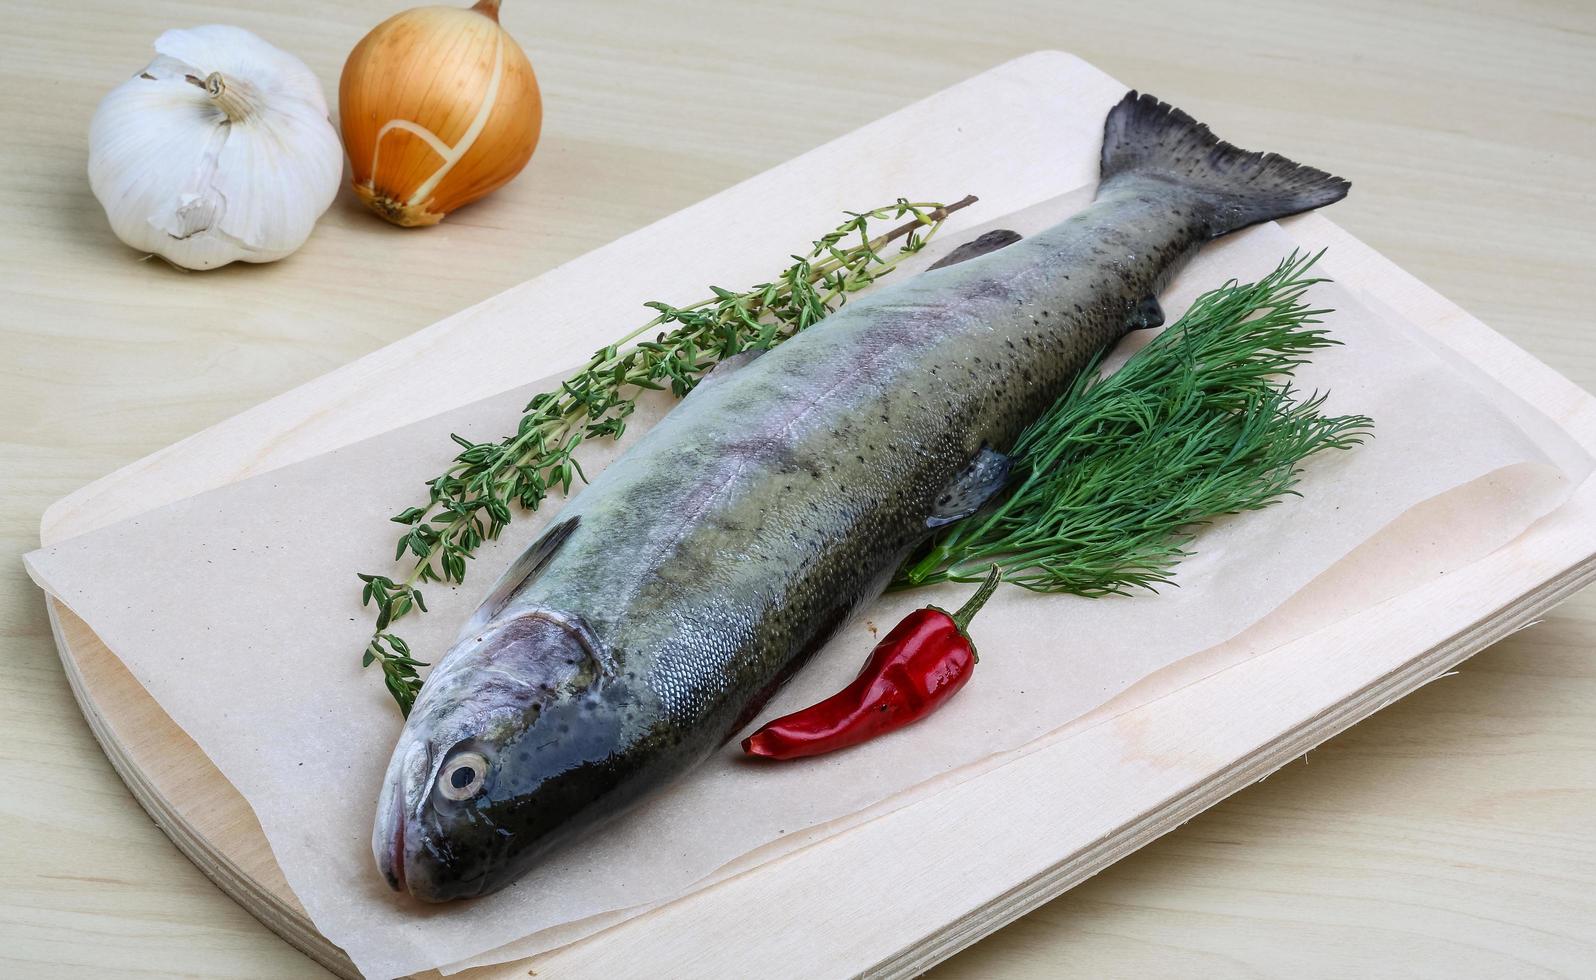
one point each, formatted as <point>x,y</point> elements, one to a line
<point>474,499</point>
<point>1113,480</point>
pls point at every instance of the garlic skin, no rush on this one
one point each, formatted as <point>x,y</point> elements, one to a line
<point>438,107</point>
<point>219,150</point>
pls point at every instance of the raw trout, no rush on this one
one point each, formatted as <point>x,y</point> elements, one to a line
<point>694,575</point>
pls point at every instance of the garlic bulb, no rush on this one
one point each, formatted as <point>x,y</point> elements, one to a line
<point>220,149</point>
<point>438,107</point>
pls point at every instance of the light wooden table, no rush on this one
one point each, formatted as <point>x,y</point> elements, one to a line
<point>1454,834</point>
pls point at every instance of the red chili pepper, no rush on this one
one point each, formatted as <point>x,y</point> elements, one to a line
<point>915,669</point>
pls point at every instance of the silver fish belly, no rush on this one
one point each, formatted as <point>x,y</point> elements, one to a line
<point>708,562</point>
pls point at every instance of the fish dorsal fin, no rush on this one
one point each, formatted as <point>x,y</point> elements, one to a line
<point>1147,314</point>
<point>989,242</point>
<point>520,572</point>
<point>977,483</point>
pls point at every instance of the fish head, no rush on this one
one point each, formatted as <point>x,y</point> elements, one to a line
<point>513,736</point>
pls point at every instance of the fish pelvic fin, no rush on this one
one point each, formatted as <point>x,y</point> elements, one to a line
<point>983,479</point>
<point>1149,313</point>
<point>1146,138</point>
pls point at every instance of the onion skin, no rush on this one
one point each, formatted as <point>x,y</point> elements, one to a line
<point>438,107</point>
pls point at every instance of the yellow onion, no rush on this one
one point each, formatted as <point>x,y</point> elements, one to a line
<point>438,107</point>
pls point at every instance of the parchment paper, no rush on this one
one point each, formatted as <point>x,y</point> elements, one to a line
<point>1429,540</point>
<point>238,610</point>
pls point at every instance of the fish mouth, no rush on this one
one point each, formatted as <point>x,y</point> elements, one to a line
<point>397,832</point>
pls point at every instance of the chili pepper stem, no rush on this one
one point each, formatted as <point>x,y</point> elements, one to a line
<point>967,612</point>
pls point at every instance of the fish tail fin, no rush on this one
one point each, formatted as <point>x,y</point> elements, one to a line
<point>1148,138</point>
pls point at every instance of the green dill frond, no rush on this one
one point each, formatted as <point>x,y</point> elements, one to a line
<point>1113,481</point>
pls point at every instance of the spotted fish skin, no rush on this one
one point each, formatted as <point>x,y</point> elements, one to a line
<point>710,560</point>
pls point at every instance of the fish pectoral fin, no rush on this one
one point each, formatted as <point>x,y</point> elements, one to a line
<point>979,482</point>
<point>1147,314</point>
<point>989,242</point>
<point>728,367</point>
<point>521,571</point>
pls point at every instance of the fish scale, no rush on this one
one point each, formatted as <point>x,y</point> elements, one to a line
<point>712,558</point>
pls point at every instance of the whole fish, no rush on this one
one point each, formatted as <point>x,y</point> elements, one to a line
<point>695,574</point>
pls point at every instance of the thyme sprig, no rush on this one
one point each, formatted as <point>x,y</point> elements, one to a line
<point>1115,478</point>
<point>475,498</point>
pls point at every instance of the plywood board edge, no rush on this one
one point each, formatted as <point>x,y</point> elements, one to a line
<point>295,928</point>
<point>1037,891</point>
<point>285,918</point>
<point>278,909</point>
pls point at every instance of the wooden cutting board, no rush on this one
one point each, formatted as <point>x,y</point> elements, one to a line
<point>869,900</point>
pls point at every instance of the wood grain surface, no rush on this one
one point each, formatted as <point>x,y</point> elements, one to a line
<point>1450,835</point>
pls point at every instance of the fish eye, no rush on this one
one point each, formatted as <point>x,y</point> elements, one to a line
<point>462,776</point>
